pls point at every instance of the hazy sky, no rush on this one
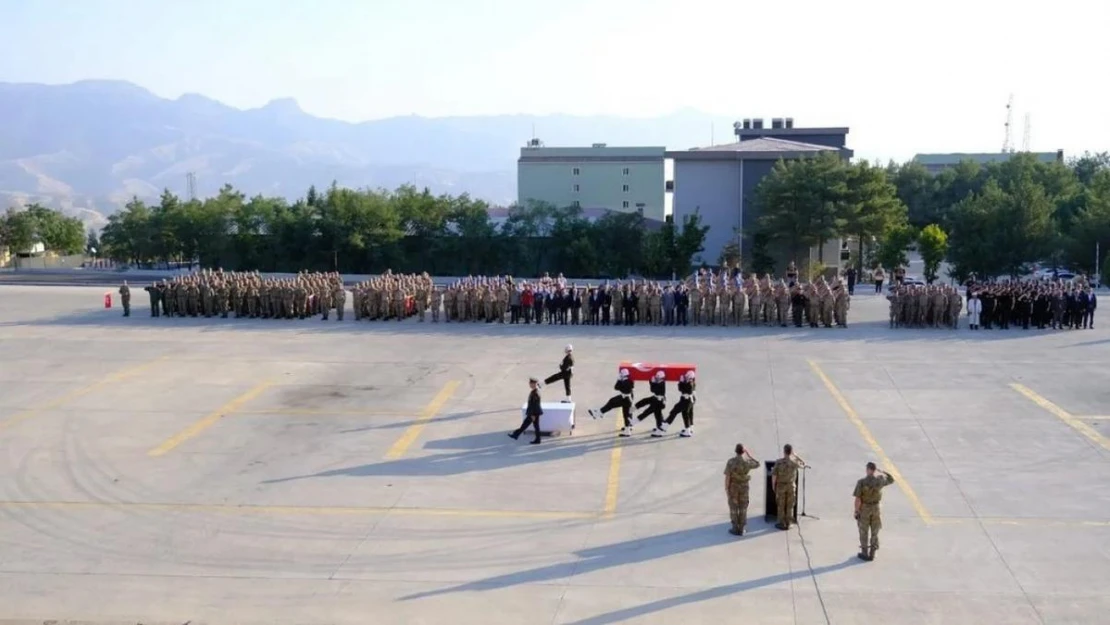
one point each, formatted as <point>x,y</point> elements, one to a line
<point>906,76</point>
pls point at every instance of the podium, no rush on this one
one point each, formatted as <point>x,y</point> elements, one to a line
<point>770,503</point>
<point>557,418</point>
<point>644,371</point>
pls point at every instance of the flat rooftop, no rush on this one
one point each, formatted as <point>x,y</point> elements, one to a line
<point>310,472</point>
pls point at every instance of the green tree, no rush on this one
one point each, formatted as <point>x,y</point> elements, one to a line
<point>916,188</point>
<point>17,231</point>
<point>1091,227</point>
<point>892,248</point>
<point>871,208</point>
<point>788,209</point>
<point>92,243</point>
<point>932,243</point>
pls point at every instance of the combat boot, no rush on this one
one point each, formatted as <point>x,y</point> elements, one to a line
<point>736,531</point>
<point>863,555</point>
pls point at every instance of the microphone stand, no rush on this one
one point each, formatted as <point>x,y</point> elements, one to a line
<point>803,513</point>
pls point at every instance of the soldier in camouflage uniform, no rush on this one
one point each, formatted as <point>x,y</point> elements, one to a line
<point>737,482</point>
<point>868,495</point>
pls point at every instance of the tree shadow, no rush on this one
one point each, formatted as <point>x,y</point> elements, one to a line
<point>483,452</point>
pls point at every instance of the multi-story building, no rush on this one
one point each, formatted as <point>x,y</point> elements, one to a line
<point>627,179</point>
<point>937,163</point>
<point>719,182</point>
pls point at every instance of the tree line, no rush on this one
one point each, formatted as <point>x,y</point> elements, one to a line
<point>991,220</point>
<point>369,231</point>
<point>20,230</point>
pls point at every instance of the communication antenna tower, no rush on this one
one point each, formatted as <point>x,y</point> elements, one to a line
<point>1007,144</point>
<point>191,186</point>
<point>1025,139</point>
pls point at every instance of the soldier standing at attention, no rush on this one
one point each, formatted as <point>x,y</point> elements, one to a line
<point>784,481</point>
<point>125,298</point>
<point>152,290</point>
<point>737,483</point>
<point>868,494</point>
<point>532,412</point>
<point>339,298</point>
<point>566,370</point>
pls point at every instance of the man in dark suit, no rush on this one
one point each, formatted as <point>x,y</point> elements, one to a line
<point>532,412</point>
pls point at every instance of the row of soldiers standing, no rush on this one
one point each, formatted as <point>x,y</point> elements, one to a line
<point>931,306</point>
<point>209,293</point>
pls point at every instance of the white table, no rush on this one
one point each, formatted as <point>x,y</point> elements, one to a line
<point>557,418</point>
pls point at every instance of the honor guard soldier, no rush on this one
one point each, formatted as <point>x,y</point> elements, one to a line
<point>622,400</point>
<point>655,403</point>
<point>737,483</point>
<point>684,407</point>
<point>868,494</point>
<point>784,481</point>
<point>566,369</point>
<point>532,412</point>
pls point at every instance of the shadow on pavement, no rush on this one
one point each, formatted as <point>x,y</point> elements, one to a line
<point>490,451</point>
<point>865,331</point>
<point>633,552</point>
<point>624,614</point>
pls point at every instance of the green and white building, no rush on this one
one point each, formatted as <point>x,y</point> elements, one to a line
<point>625,179</point>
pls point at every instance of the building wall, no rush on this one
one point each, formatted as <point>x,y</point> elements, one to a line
<point>712,189</point>
<point>594,178</point>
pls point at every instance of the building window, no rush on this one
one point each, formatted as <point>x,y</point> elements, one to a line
<point>624,188</point>
<point>624,204</point>
<point>576,189</point>
<point>625,172</point>
<point>575,171</point>
<point>575,204</point>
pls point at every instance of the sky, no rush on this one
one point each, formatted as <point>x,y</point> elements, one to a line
<point>906,77</point>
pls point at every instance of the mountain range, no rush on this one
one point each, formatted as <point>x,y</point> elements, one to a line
<point>88,147</point>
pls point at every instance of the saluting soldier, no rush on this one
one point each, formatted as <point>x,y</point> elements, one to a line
<point>125,298</point>
<point>868,494</point>
<point>737,484</point>
<point>784,481</point>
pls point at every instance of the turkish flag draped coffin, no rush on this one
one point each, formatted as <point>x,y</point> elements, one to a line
<point>643,371</point>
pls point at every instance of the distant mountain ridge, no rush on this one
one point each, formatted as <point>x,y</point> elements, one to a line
<point>89,146</point>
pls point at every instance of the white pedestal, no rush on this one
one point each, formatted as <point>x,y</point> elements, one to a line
<point>557,418</point>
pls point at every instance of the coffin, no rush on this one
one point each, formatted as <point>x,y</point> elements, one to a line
<point>643,371</point>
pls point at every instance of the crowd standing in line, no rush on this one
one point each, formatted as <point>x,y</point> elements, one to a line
<point>1021,303</point>
<point>704,299</point>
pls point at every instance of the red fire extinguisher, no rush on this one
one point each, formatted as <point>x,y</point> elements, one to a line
<point>108,300</point>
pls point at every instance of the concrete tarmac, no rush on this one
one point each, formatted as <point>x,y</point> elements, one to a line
<point>310,472</point>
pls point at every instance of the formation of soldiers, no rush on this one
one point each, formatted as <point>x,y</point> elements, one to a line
<point>1036,303</point>
<point>931,306</point>
<point>705,299</point>
<point>1021,303</point>
<point>209,293</point>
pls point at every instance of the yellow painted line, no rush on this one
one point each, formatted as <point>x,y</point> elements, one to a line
<point>292,510</point>
<point>887,463</point>
<point>118,376</point>
<point>208,421</point>
<point>1064,416</point>
<point>413,432</point>
<point>612,486</point>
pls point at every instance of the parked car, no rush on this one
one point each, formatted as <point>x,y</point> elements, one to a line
<point>908,281</point>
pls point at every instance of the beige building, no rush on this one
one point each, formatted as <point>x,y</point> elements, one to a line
<point>625,179</point>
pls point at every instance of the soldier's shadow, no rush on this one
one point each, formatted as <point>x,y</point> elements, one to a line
<point>488,451</point>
